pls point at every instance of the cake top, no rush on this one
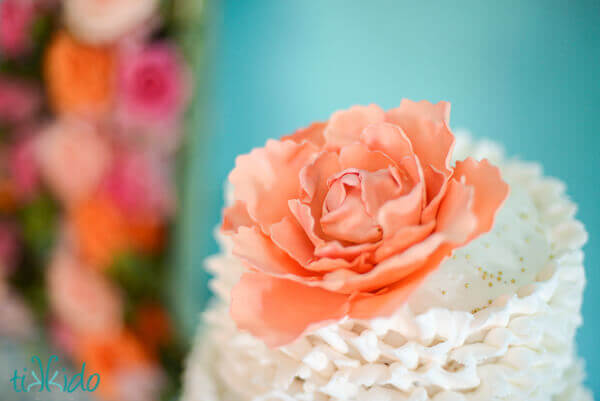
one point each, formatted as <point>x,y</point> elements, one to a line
<point>347,218</point>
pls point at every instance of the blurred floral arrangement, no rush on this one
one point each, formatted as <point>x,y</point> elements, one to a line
<point>92,95</point>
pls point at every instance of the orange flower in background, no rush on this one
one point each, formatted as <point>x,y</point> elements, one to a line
<point>146,234</point>
<point>102,230</point>
<point>153,325</point>
<point>79,78</point>
<point>123,365</point>
<point>7,195</point>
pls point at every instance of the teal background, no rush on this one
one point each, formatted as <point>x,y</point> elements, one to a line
<point>525,73</point>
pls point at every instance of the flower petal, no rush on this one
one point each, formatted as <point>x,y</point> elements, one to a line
<point>236,216</point>
<point>334,249</point>
<point>350,221</point>
<point>330,264</point>
<point>402,239</point>
<point>388,272</point>
<point>490,191</point>
<point>388,139</point>
<point>345,215</point>
<point>260,253</point>
<point>426,125</point>
<point>437,183</point>
<point>456,218</point>
<point>345,126</point>
<point>313,134</point>
<point>289,236</point>
<point>270,176</point>
<point>358,156</point>
<point>400,212</point>
<point>379,188</point>
<point>303,214</point>
<point>387,302</point>
<point>279,311</point>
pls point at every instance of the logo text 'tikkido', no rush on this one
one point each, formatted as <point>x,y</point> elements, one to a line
<point>49,380</point>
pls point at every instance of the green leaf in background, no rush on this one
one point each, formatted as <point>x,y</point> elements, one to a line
<point>38,225</point>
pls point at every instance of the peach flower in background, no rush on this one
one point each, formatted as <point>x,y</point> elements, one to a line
<point>347,217</point>
<point>19,100</point>
<point>127,372</point>
<point>73,158</point>
<point>79,77</point>
<point>16,19</point>
<point>82,298</point>
<point>98,21</point>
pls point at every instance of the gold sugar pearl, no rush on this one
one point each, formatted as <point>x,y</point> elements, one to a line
<point>489,301</point>
<point>523,269</point>
<point>490,284</point>
<point>513,281</point>
<point>521,258</point>
<point>467,285</point>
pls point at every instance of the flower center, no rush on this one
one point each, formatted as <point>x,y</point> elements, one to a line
<point>352,203</point>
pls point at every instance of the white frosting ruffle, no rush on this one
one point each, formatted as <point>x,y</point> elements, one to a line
<point>456,339</point>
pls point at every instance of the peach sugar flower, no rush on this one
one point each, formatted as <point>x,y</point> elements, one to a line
<point>79,78</point>
<point>347,217</point>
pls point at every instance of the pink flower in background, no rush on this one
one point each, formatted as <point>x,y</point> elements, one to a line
<point>73,158</point>
<point>18,100</point>
<point>82,298</point>
<point>152,85</point>
<point>140,383</point>
<point>9,247</point>
<point>24,168</point>
<point>139,184</point>
<point>16,17</point>
<point>63,337</point>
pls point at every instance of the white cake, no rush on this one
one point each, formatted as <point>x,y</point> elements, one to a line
<point>496,321</point>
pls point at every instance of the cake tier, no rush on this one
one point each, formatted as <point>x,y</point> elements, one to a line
<point>496,321</point>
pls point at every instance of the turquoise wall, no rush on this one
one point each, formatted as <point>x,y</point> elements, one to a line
<point>526,73</point>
